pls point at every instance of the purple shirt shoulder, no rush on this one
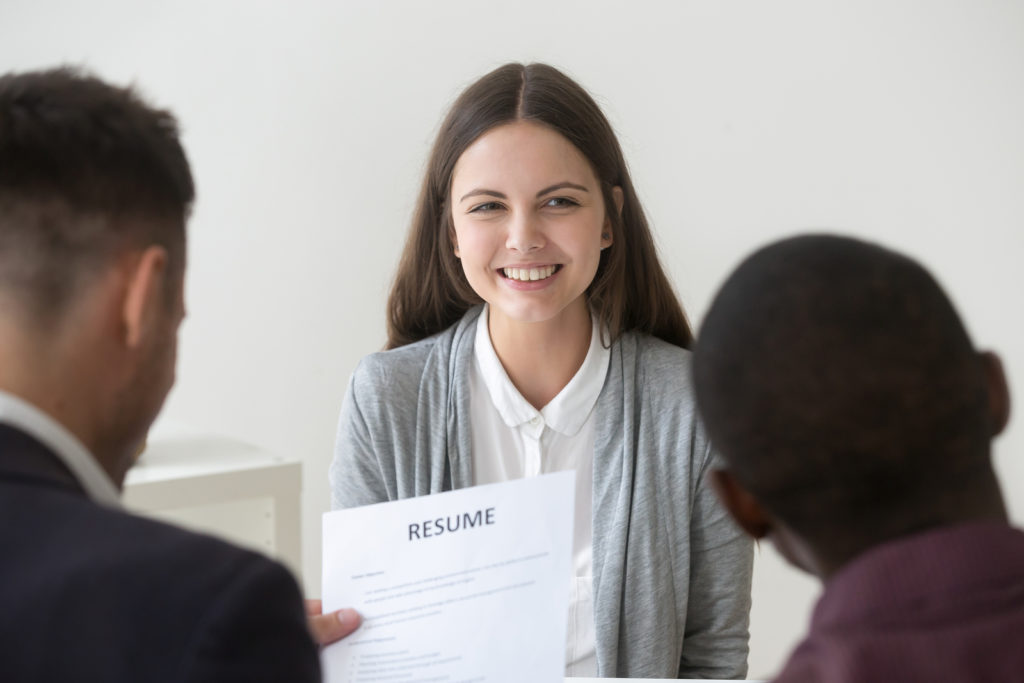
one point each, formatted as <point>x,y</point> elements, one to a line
<point>946,604</point>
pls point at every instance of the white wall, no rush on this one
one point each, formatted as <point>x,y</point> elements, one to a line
<point>308,124</point>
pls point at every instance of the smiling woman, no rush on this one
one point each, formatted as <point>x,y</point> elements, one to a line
<point>505,237</point>
<point>532,329</point>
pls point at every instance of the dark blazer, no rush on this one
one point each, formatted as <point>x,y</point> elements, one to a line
<point>89,593</point>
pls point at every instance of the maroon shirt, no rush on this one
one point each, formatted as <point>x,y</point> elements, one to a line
<point>943,605</point>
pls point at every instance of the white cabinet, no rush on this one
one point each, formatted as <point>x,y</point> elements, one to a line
<point>222,487</point>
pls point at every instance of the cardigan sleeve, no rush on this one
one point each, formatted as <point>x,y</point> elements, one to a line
<point>671,571</point>
<point>717,634</point>
<point>357,474</point>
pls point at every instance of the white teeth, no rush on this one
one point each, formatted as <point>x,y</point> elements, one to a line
<point>529,274</point>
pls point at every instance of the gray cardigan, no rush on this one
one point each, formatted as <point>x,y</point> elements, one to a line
<point>672,572</point>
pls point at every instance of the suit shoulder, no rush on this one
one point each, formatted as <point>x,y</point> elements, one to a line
<point>152,546</point>
<point>176,550</point>
<point>243,610</point>
<point>70,556</point>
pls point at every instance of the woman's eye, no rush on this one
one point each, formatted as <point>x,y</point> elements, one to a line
<point>486,206</point>
<point>561,202</point>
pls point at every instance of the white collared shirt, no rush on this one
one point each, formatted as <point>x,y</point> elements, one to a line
<point>512,440</point>
<point>19,413</point>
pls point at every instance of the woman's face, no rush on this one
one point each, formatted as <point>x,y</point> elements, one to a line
<point>530,222</point>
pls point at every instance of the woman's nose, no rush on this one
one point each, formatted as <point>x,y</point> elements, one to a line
<point>524,234</point>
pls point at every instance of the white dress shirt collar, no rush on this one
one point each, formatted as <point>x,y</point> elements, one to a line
<point>568,411</point>
<point>21,414</point>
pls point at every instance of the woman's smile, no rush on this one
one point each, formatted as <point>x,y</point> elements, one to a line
<point>529,273</point>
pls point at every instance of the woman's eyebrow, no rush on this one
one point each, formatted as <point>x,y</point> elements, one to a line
<point>481,191</point>
<point>547,190</point>
<point>561,186</point>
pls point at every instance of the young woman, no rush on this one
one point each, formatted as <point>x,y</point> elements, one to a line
<point>532,329</point>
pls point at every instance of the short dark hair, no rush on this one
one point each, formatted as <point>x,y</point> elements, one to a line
<point>841,387</point>
<point>87,169</point>
<point>630,290</point>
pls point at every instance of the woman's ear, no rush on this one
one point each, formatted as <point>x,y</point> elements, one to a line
<point>452,236</point>
<point>743,507</point>
<point>607,235</point>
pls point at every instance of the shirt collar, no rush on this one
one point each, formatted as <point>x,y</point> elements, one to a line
<point>568,411</point>
<point>75,456</point>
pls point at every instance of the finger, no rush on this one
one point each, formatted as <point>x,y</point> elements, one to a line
<point>330,628</point>
<point>314,607</point>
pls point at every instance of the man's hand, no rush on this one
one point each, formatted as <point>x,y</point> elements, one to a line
<point>328,628</point>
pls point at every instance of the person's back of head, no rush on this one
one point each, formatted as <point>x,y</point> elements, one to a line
<point>844,394</point>
<point>95,190</point>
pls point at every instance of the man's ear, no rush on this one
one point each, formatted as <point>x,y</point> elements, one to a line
<point>743,507</point>
<point>144,293</point>
<point>998,391</point>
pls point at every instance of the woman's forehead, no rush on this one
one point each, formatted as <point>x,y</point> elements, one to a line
<point>521,156</point>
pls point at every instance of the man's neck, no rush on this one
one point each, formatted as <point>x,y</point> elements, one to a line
<point>27,419</point>
<point>38,372</point>
<point>979,500</point>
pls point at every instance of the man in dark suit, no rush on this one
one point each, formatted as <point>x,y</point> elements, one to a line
<point>95,190</point>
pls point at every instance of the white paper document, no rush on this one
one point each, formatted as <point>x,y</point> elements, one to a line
<point>469,585</point>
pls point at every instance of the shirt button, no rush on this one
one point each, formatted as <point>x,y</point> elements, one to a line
<point>535,420</point>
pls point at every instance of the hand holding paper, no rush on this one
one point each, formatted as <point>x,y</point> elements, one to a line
<point>331,627</point>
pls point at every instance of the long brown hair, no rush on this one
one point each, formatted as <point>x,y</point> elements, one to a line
<point>630,290</point>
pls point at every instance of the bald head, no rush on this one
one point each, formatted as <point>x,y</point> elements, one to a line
<point>842,389</point>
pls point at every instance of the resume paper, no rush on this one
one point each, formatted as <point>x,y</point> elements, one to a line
<point>468,585</point>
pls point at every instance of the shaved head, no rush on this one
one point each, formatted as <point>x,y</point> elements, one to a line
<point>842,389</point>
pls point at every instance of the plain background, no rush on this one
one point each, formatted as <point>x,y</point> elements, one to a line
<point>308,125</point>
